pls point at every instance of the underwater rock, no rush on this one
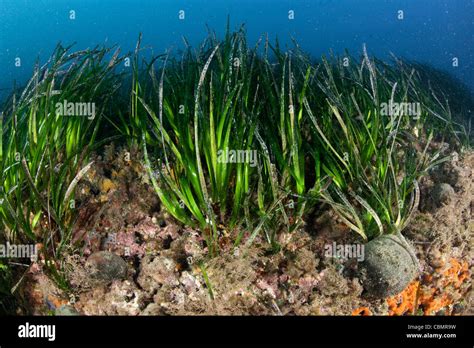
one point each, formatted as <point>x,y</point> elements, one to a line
<point>66,311</point>
<point>443,193</point>
<point>157,271</point>
<point>389,266</point>
<point>152,309</point>
<point>190,283</point>
<point>105,266</point>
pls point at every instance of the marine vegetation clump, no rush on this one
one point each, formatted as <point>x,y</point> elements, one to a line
<point>206,126</point>
<point>47,131</point>
<point>199,113</point>
<point>321,132</point>
<point>374,158</point>
<point>237,140</point>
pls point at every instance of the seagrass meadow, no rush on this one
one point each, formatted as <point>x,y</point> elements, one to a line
<point>236,178</point>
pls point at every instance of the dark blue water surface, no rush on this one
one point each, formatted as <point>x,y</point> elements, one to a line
<point>432,31</point>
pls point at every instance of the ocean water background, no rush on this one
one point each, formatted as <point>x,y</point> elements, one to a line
<point>432,31</point>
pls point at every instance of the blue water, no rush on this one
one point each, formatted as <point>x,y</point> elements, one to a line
<point>432,31</point>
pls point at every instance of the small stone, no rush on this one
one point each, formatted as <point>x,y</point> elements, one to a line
<point>443,194</point>
<point>191,283</point>
<point>106,266</point>
<point>458,309</point>
<point>436,259</point>
<point>66,310</point>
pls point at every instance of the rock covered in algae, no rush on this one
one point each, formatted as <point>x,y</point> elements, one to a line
<point>388,267</point>
<point>106,266</point>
